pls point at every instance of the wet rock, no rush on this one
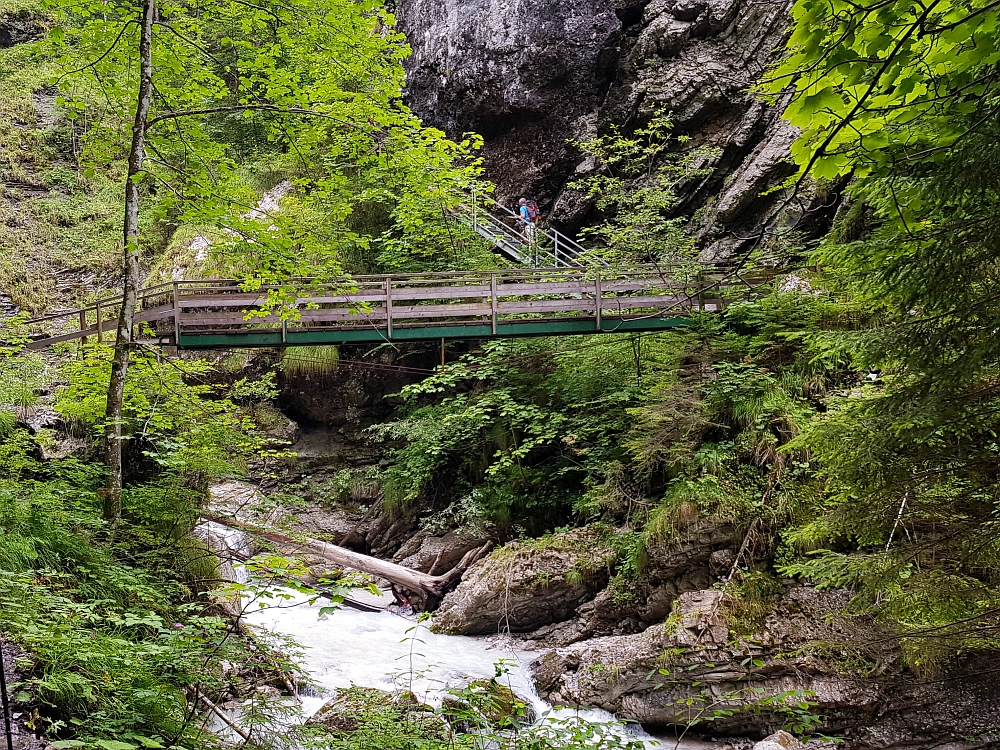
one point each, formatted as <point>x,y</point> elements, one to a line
<point>351,708</point>
<point>362,388</point>
<point>780,740</point>
<point>523,586</point>
<point>494,702</point>
<point>436,554</point>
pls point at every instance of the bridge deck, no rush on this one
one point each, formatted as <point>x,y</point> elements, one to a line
<point>372,309</point>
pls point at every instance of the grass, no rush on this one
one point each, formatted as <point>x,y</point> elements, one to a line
<point>51,218</point>
<point>310,360</point>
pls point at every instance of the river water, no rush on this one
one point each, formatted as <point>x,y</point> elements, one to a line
<point>385,650</point>
<point>381,649</point>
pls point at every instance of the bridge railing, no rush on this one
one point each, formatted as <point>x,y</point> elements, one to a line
<point>491,300</point>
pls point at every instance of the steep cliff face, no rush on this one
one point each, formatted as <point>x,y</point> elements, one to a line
<point>531,74</point>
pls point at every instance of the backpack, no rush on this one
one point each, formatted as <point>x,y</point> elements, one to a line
<point>533,213</point>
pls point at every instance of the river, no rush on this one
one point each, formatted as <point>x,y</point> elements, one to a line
<point>388,651</point>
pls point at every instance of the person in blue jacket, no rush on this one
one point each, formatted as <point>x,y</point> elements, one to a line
<point>528,211</point>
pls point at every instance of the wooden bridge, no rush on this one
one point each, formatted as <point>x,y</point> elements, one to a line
<point>372,309</point>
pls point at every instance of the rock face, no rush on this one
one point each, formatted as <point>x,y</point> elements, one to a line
<point>18,28</point>
<point>692,665</point>
<point>360,382</point>
<point>524,586</point>
<point>686,563</point>
<point>529,76</point>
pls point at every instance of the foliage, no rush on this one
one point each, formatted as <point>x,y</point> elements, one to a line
<point>901,94</point>
<point>174,422</point>
<point>255,85</point>
<point>519,427</point>
<point>880,85</point>
<point>636,186</point>
<point>115,644</point>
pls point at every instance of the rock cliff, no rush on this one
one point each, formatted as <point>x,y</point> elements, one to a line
<point>692,667</point>
<point>529,76</point>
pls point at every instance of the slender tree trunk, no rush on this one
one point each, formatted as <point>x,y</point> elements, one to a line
<point>130,287</point>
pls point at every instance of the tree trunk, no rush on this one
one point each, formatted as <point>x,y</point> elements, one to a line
<point>428,590</point>
<point>130,286</point>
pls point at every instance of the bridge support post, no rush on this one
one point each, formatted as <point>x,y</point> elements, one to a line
<point>388,307</point>
<point>494,303</point>
<point>597,301</point>
<point>177,315</point>
<point>100,336</point>
<point>83,325</point>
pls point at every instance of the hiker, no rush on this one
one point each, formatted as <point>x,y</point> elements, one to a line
<point>529,213</point>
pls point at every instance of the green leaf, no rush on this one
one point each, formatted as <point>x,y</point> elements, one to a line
<point>115,745</point>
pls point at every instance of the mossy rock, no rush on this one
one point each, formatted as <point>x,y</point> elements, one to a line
<point>485,699</point>
<point>359,710</point>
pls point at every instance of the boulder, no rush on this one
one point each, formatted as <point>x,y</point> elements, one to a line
<point>780,740</point>
<point>491,701</point>
<point>806,650</point>
<point>525,585</point>
<point>436,554</point>
<point>352,708</point>
<point>658,675</point>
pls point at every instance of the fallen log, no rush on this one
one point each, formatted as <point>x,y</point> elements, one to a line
<point>424,590</point>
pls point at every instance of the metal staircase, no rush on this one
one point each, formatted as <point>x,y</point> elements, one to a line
<point>503,228</point>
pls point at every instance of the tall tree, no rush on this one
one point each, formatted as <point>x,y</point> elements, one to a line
<point>132,278</point>
<point>903,95</point>
<point>229,97</point>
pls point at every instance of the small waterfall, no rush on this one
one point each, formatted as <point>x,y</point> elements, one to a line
<point>232,547</point>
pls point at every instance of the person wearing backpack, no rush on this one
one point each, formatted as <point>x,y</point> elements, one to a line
<point>529,213</point>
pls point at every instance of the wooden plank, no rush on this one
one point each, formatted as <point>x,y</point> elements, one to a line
<point>338,315</point>
<point>631,303</point>
<point>373,296</point>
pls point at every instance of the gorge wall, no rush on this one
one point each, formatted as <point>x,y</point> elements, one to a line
<point>531,74</point>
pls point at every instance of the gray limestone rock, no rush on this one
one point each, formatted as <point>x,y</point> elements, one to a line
<point>523,586</point>
<point>531,75</point>
<point>655,676</point>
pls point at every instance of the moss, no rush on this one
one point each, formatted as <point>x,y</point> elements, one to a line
<point>750,600</point>
<point>489,700</point>
<point>51,217</point>
<point>395,718</point>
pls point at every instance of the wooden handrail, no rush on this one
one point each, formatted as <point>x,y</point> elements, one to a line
<point>428,299</point>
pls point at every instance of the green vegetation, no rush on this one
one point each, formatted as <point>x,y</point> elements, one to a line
<point>841,429</point>
<point>52,217</point>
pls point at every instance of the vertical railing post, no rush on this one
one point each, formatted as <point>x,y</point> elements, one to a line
<point>83,325</point>
<point>597,300</point>
<point>701,290</point>
<point>555,236</point>
<point>493,302</point>
<point>100,336</point>
<point>475,225</point>
<point>388,306</point>
<point>177,314</point>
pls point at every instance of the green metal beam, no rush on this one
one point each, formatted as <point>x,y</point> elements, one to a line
<point>508,329</point>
